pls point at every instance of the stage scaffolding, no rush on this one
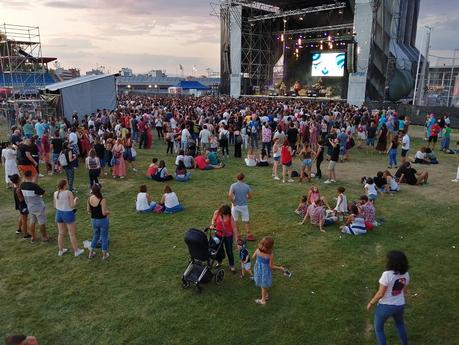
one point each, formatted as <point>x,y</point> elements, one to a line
<point>21,60</point>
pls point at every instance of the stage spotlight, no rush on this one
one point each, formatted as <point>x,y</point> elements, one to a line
<point>341,11</point>
<point>301,18</point>
<point>150,86</point>
<point>299,41</point>
<point>282,38</point>
<point>285,20</point>
<point>129,86</point>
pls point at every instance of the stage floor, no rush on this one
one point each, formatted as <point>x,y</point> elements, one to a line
<point>329,99</point>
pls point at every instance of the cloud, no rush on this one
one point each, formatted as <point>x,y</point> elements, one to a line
<point>15,3</point>
<point>67,4</point>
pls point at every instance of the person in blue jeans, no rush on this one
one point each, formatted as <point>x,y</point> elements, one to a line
<point>97,207</point>
<point>390,296</point>
<point>392,152</point>
<point>226,230</point>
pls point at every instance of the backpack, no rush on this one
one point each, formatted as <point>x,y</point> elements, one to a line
<point>63,160</point>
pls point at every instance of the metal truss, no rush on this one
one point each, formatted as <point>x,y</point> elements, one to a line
<point>257,54</point>
<point>299,12</point>
<point>21,56</point>
<point>317,29</point>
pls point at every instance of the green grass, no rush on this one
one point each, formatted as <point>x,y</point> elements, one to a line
<point>136,297</point>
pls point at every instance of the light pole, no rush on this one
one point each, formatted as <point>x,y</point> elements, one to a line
<point>448,100</point>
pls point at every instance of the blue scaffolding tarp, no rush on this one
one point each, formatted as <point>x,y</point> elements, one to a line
<point>192,85</point>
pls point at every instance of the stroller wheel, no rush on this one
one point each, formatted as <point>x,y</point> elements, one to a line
<point>185,283</point>
<point>199,288</point>
<point>219,276</point>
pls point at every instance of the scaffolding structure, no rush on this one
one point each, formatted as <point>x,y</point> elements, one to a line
<point>21,62</point>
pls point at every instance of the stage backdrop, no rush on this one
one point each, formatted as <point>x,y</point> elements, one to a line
<point>86,94</point>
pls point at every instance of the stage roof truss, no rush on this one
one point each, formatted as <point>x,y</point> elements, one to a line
<point>299,12</point>
<point>317,29</point>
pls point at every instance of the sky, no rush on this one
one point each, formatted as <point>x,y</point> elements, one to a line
<point>161,34</point>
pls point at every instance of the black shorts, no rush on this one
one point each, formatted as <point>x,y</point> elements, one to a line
<point>434,139</point>
<point>404,152</point>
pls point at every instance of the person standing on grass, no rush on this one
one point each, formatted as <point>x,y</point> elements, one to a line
<point>392,152</point>
<point>119,169</point>
<point>319,158</point>
<point>93,166</point>
<point>33,196</point>
<point>286,160</point>
<point>70,158</point>
<point>334,157</point>
<point>239,194</point>
<point>390,297</point>
<point>97,208</point>
<point>405,145</point>
<point>20,205</point>
<point>276,158</point>
<point>64,203</point>
<point>264,264</point>
<point>226,230</point>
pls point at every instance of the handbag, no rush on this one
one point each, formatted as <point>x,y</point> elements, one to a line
<point>114,161</point>
<point>133,152</point>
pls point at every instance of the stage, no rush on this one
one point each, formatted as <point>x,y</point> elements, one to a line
<point>305,98</point>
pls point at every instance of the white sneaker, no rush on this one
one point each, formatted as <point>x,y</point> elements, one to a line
<point>333,180</point>
<point>134,169</point>
<point>277,178</point>
<point>313,175</point>
<point>41,175</point>
<point>62,252</point>
<point>290,181</point>
<point>328,181</point>
<point>79,252</point>
<point>455,180</point>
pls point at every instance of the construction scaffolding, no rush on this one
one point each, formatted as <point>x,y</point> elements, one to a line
<point>22,66</point>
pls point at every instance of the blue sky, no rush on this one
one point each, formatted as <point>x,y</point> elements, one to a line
<point>160,34</point>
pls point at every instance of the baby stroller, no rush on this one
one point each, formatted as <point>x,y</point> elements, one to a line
<point>204,252</point>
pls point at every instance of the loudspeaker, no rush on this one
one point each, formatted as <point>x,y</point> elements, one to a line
<point>351,57</point>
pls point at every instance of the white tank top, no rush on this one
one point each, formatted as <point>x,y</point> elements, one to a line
<point>142,203</point>
<point>63,202</point>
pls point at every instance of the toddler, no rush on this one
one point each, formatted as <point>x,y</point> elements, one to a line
<point>244,256</point>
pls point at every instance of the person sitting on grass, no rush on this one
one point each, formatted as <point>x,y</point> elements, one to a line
<point>144,202</point>
<point>204,164</point>
<point>314,196</point>
<point>421,157</point>
<point>180,157</point>
<point>262,161</point>
<point>181,174</point>
<point>188,160</point>
<point>391,185</point>
<point>213,161</point>
<point>250,160</point>
<point>162,174</point>
<point>355,223</point>
<point>407,174</point>
<point>302,206</point>
<point>170,201</point>
<point>152,168</point>
<point>430,156</point>
<point>368,212</point>
<point>317,217</point>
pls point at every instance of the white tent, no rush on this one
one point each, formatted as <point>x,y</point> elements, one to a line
<point>86,94</point>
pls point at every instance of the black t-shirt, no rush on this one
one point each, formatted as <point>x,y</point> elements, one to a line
<point>100,150</point>
<point>380,181</point>
<point>21,155</point>
<point>335,154</point>
<point>292,134</point>
<point>57,145</point>
<point>410,176</point>
<point>372,132</point>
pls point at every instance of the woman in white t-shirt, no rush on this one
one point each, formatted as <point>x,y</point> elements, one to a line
<point>64,202</point>
<point>170,201</point>
<point>143,202</point>
<point>391,296</point>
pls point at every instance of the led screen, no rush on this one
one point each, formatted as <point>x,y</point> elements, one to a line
<point>328,64</point>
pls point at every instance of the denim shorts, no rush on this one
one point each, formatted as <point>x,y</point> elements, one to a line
<point>277,159</point>
<point>66,217</point>
<point>372,197</point>
<point>307,162</point>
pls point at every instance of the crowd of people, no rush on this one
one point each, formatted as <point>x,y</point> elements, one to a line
<point>292,136</point>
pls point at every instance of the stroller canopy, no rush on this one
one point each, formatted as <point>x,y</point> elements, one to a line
<point>198,245</point>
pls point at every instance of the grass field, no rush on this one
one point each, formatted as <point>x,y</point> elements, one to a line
<point>136,297</point>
